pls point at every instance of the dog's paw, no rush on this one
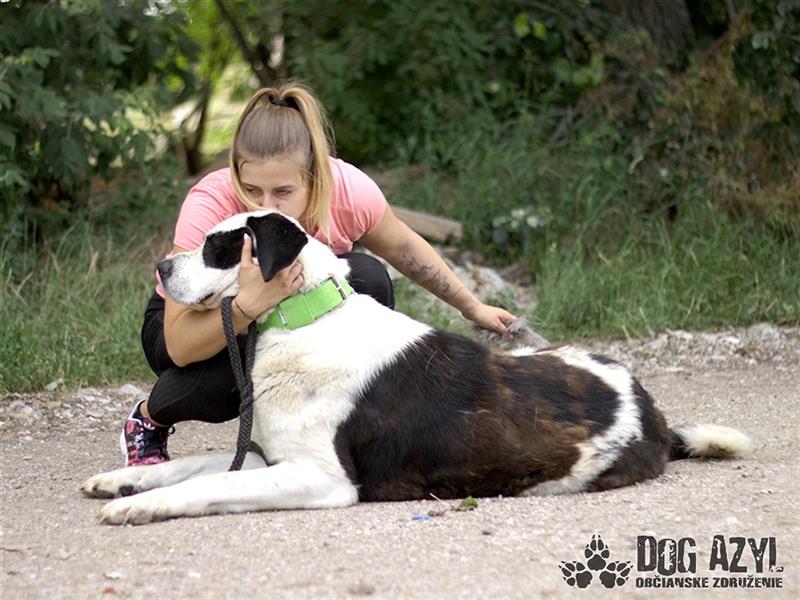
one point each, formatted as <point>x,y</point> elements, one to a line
<point>596,553</point>
<point>122,482</point>
<point>576,574</point>
<point>615,574</point>
<point>147,507</point>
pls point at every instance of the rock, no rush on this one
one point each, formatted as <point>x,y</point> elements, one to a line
<point>53,385</point>
<point>681,335</point>
<point>20,411</point>
<point>657,344</point>
<point>762,332</point>
<point>132,390</point>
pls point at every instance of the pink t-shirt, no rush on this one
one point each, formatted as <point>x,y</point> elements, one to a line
<point>356,208</point>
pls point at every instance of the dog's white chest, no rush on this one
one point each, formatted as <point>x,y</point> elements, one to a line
<point>306,382</point>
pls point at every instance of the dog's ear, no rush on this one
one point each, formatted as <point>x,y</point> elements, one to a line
<point>278,241</point>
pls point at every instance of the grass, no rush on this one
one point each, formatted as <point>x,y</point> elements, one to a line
<point>702,272</point>
<point>76,315</point>
<point>605,259</point>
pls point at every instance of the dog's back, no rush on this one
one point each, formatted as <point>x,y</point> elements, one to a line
<point>451,418</point>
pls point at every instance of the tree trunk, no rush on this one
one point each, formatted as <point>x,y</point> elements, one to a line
<point>192,137</point>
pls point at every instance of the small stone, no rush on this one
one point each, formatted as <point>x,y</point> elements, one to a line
<point>681,335</point>
<point>53,385</point>
<point>657,344</point>
<point>362,589</point>
<point>763,332</point>
<point>114,575</point>
<point>132,390</point>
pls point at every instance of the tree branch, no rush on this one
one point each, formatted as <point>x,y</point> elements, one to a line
<point>259,64</point>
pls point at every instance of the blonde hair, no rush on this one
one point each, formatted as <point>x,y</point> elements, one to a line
<point>287,120</point>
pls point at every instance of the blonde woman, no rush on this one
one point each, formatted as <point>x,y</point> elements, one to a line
<point>281,160</point>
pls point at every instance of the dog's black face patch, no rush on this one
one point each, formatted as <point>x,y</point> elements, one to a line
<point>223,250</point>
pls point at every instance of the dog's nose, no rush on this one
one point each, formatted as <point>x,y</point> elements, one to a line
<point>165,269</point>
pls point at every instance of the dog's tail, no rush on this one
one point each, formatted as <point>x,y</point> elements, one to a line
<point>708,441</point>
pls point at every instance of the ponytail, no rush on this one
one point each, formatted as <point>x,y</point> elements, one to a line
<point>287,121</point>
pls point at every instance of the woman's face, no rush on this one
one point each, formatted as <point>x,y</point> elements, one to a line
<point>275,184</point>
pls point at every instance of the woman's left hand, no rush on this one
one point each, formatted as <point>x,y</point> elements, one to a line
<point>488,317</point>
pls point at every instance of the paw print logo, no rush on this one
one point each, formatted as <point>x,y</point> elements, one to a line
<point>575,574</point>
<point>615,574</point>
<point>610,573</point>
<point>596,553</point>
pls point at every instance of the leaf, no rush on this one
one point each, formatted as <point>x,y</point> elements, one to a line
<point>761,40</point>
<point>522,26</point>
<point>539,30</point>
<point>5,96</point>
<point>468,503</point>
<point>7,137</point>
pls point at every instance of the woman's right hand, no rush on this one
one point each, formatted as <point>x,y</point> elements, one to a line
<point>257,296</point>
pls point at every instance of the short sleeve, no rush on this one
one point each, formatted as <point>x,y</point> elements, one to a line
<point>366,201</point>
<point>208,203</point>
<point>198,215</point>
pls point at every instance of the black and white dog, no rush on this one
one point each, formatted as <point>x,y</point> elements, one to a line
<point>367,404</point>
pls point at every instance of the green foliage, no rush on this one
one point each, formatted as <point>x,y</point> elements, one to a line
<point>81,83</point>
<point>72,303</point>
<point>398,76</point>
<point>639,190</point>
<point>603,260</point>
<point>702,272</point>
<point>728,120</point>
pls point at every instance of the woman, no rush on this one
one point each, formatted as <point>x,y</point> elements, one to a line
<point>280,160</point>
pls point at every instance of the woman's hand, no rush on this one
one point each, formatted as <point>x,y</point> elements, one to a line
<point>488,317</point>
<point>257,296</point>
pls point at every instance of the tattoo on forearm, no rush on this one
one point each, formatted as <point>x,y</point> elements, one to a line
<point>426,276</point>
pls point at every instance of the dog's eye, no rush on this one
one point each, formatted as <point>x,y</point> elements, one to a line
<point>223,250</point>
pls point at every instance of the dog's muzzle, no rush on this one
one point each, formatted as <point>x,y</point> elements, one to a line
<point>165,268</point>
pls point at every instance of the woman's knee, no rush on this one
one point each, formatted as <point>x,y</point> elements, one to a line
<point>369,276</point>
<point>199,392</point>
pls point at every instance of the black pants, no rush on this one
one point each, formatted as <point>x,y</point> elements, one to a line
<point>206,390</point>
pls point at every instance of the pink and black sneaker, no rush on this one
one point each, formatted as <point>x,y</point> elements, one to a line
<point>142,442</point>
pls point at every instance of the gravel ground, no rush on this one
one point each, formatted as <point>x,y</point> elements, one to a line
<point>53,547</point>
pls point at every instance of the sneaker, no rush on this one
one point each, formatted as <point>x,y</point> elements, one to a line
<point>142,442</point>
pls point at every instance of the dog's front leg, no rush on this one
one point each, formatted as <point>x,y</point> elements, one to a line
<point>284,486</point>
<point>132,480</point>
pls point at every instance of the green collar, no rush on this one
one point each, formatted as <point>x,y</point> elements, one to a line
<point>303,309</point>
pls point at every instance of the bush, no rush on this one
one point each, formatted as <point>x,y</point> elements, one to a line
<point>728,119</point>
<point>81,84</point>
<point>399,77</point>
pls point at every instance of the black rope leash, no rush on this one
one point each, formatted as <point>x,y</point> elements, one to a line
<point>244,382</point>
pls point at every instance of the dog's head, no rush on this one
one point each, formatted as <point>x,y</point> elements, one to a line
<point>204,276</point>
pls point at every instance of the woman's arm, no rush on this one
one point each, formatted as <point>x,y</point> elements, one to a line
<point>410,254</point>
<point>193,335</point>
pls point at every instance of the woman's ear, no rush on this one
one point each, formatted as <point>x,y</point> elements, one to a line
<point>278,241</point>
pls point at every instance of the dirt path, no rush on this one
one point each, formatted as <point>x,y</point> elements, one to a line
<point>53,547</point>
